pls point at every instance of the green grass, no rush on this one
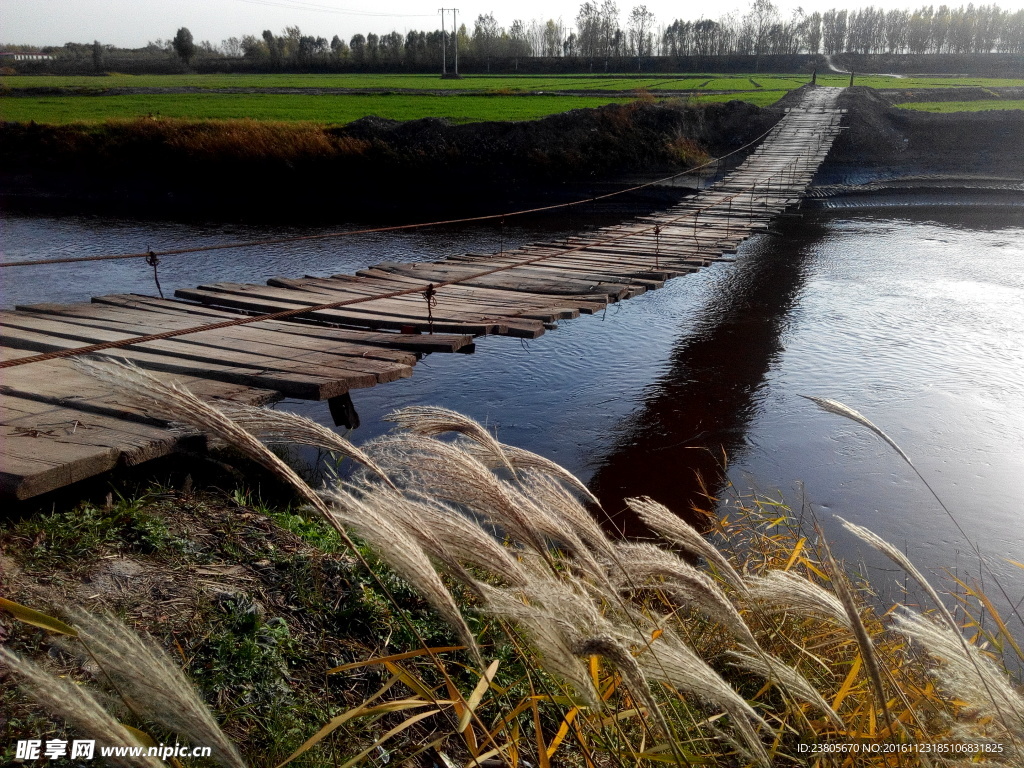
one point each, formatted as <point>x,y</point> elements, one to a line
<point>762,98</point>
<point>483,83</point>
<point>912,83</point>
<point>963,106</point>
<point>480,97</point>
<point>286,107</point>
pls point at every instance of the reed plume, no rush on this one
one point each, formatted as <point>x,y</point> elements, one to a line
<point>77,706</point>
<point>442,470</point>
<point>966,673</point>
<point>431,420</point>
<point>671,661</point>
<point>647,565</point>
<point>521,459</point>
<point>151,684</point>
<point>400,550</point>
<point>661,520</point>
<point>787,591</point>
<point>273,426</point>
<point>787,678</point>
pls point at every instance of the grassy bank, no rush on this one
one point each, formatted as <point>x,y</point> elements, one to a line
<point>944,107</point>
<point>336,99</point>
<point>324,109</point>
<point>576,649</point>
<point>470,83</point>
<point>185,164</point>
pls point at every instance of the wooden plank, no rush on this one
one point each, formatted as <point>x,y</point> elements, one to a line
<point>522,279</point>
<point>437,342</point>
<point>516,304</point>
<point>58,382</point>
<point>47,446</point>
<point>405,309</point>
<point>134,321</point>
<point>207,346</point>
<point>291,384</point>
<point>457,299</point>
<point>247,300</point>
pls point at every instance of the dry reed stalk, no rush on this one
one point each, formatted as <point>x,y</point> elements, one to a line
<point>661,520</point>
<point>77,706</point>
<point>860,633</point>
<point>432,420</point>
<point>150,684</point>
<point>967,673</point>
<point>786,591</point>
<point>272,426</point>
<point>400,550</point>
<point>177,404</point>
<point>647,565</point>
<point>787,678</point>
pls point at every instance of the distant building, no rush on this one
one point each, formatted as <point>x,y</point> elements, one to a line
<point>24,56</point>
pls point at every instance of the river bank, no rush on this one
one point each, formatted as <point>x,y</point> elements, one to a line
<point>417,168</point>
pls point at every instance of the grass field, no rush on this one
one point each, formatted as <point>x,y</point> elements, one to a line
<point>330,109</point>
<point>963,106</point>
<point>499,97</point>
<point>480,83</point>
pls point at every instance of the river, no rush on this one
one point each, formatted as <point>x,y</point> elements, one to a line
<point>912,314</point>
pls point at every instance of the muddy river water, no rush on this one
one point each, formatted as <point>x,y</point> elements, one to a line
<point>912,314</point>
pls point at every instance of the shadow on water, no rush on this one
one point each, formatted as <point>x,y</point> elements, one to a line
<point>696,414</point>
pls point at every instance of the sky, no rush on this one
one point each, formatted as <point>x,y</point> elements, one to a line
<point>133,23</point>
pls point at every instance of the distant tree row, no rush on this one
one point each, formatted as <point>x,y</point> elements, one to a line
<point>598,33</point>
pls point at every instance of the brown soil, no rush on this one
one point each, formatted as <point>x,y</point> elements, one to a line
<point>882,142</point>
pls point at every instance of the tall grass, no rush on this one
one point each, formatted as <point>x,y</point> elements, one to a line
<point>583,650</point>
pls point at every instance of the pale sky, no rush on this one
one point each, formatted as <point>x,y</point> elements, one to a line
<point>133,23</point>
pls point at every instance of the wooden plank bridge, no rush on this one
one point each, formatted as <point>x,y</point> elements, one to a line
<point>320,337</point>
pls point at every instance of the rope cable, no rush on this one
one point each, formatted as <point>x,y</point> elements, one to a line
<point>375,230</point>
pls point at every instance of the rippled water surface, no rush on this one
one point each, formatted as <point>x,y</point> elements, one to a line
<point>913,316</point>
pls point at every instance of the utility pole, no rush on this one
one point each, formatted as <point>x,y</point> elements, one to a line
<point>444,57</point>
<point>455,32</point>
<point>455,29</point>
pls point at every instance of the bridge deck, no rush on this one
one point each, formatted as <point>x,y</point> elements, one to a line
<point>60,426</point>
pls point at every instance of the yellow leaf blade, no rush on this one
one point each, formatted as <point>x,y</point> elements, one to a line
<point>28,615</point>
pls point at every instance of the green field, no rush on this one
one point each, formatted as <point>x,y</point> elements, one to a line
<point>479,83</point>
<point>963,106</point>
<point>330,109</point>
<point>408,97</point>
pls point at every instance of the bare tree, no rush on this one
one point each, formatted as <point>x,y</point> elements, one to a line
<point>641,28</point>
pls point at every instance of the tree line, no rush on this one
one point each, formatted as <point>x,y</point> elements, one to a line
<point>599,32</point>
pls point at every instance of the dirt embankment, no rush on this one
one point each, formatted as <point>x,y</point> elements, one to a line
<point>371,163</point>
<point>882,143</point>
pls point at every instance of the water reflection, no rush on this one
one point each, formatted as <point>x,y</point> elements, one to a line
<point>696,413</point>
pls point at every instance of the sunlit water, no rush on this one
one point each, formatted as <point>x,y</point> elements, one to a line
<point>913,316</point>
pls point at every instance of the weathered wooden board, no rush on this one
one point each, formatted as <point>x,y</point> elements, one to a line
<point>48,446</point>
